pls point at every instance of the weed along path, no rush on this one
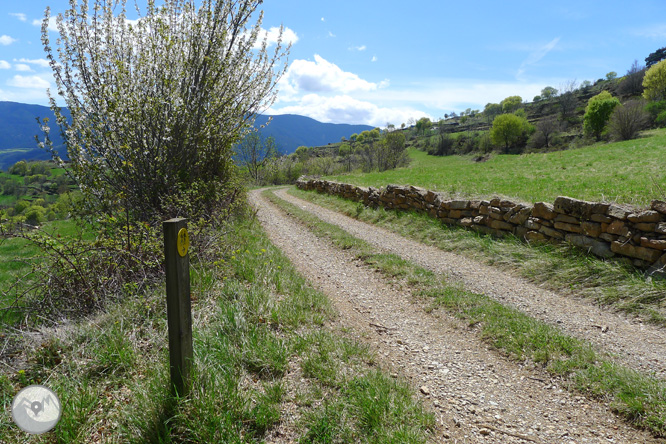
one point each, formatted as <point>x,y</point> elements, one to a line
<point>637,345</point>
<point>478,395</point>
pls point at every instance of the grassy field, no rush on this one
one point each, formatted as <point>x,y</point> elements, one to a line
<point>631,172</point>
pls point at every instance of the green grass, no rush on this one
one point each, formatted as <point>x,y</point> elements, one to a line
<point>561,268</point>
<point>640,398</point>
<point>628,172</point>
<point>256,321</point>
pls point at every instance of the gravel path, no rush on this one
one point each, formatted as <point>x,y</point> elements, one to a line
<point>477,395</point>
<point>637,345</point>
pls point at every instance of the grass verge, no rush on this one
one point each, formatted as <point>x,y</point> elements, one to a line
<point>639,398</point>
<point>261,342</point>
<point>562,268</point>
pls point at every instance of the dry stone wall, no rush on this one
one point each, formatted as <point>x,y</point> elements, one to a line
<point>604,229</point>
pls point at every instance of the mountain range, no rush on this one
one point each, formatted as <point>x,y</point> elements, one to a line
<point>18,127</point>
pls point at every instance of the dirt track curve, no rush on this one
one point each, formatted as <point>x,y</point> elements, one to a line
<point>477,395</point>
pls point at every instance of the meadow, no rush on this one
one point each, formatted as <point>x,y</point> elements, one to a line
<point>630,172</point>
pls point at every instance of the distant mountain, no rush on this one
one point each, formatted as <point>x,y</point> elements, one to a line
<point>291,131</point>
<point>18,128</point>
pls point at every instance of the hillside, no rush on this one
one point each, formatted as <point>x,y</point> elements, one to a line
<point>632,171</point>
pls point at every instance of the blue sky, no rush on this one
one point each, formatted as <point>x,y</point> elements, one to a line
<point>374,62</point>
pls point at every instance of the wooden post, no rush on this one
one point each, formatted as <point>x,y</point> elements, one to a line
<point>179,309</point>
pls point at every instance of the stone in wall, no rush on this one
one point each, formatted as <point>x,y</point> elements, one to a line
<point>543,210</point>
<point>578,208</point>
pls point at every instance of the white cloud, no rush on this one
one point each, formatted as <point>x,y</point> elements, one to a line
<point>358,48</point>
<point>52,24</point>
<point>6,40</point>
<point>346,109</point>
<point>323,19</point>
<point>5,65</point>
<point>272,36</point>
<point>322,76</point>
<point>22,67</point>
<point>19,15</point>
<point>374,58</point>
<point>28,82</point>
<point>42,63</point>
<point>330,34</point>
<point>536,56</point>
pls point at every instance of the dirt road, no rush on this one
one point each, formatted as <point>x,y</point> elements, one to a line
<point>478,395</point>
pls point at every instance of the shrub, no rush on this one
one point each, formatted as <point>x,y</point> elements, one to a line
<point>628,119</point>
<point>35,215</point>
<point>20,206</point>
<point>598,111</point>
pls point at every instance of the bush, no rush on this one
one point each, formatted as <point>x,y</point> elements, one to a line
<point>628,119</point>
<point>20,206</point>
<point>655,109</point>
<point>597,113</point>
<point>443,146</point>
<point>661,119</point>
<point>35,215</point>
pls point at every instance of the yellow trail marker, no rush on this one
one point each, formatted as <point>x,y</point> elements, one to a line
<point>183,242</point>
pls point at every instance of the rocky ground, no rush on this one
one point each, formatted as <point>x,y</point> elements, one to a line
<point>477,395</point>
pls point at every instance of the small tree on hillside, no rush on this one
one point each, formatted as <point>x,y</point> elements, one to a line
<point>632,83</point>
<point>511,103</point>
<point>548,92</point>
<point>254,153</point>
<point>654,82</point>
<point>655,57</point>
<point>423,124</point>
<point>598,111</point>
<point>491,111</point>
<point>628,119</point>
<point>567,99</point>
<point>546,130</point>
<point>508,130</point>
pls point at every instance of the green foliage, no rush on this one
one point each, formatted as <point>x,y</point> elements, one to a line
<point>654,82</point>
<point>10,187</point>
<point>597,113</point>
<point>20,206</point>
<point>660,120</point>
<point>508,130</point>
<point>655,57</point>
<point>179,87</point>
<point>35,215</point>
<point>511,103</point>
<point>491,110</point>
<point>20,168</point>
<point>423,124</point>
<point>548,92</point>
<point>611,76</point>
